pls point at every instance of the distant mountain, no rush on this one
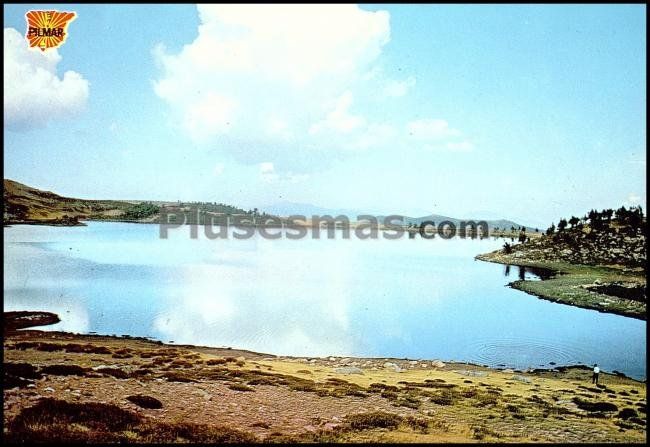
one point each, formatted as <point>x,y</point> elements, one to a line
<point>24,204</point>
<point>437,218</point>
<point>285,209</point>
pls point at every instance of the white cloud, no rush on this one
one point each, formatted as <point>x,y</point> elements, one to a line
<point>339,119</point>
<point>293,85</point>
<point>438,135</point>
<point>268,174</point>
<point>210,116</point>
<point>264,75</point>
<point>460,146</point>
<point>397,89</point>
<point>375,135</point>
<point>634,200</point>
<point>33,92</point>
<point>431,129</point>
<point>218,169</point>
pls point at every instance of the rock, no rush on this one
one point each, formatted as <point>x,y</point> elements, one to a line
<point>332,359</point>
<point>49,389</point>
<point>348,370</point>
<point>508,371</point>
<point>473,373</point>
<point>393,366</point>
<point>520,378</point>
<point>437,364</point>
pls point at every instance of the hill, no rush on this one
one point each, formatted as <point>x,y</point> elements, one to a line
<point>286,209</point>
<point>597,262</point>
<point>24,204</point>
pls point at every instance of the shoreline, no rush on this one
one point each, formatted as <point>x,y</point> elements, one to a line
<point>327,359</point>
<point>14,325</point>
<point>570,285</point>
<point>70,384</point>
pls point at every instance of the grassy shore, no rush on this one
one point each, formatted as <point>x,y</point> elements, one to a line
<point>68,387</point>
<point>577,285</point>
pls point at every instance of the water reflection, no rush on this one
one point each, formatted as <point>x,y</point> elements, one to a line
<point>529,273</point>
<point>378,298</point>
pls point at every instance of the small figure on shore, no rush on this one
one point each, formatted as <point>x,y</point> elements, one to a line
<point>594,377</point>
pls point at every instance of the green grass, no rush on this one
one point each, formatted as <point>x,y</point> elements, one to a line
<point>567,286</point>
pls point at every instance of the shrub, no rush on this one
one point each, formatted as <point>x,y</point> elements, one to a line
<point>485,399</point>
<point>178,377</point>
<point>240,387</point>
<point>376,419</point>
<point>594,406</point>
<point>627,413</point>
<point>51,419</point>
<point>213,362</point>
<point>24,370</point>
<point>64,370</point>
<point>421,425</point>
<point>194,433</point>
<point>145,401</point>
<point>444,397</point>
<point>114,372</point>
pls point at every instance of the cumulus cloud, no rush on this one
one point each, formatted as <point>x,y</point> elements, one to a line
<point>340,119</point>
<point>437,135</point>
<point>460,146</point>
<point>271,73</point>
<point>33,91</point>
<point>397,89</point>
<point>267,171</point>
<point>292,85</point>
<point>435,129</point>
<point>268,174</point>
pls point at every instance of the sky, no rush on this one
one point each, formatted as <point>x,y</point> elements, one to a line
<point>526,112</point>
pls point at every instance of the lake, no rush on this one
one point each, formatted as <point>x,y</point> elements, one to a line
<point>412,298</point>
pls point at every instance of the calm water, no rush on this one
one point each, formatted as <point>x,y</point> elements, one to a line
<point>379,298</point>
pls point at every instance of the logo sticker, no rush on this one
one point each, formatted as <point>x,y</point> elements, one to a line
<point>48,29</point>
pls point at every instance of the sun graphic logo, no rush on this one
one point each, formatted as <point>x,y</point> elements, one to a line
<point>47,29</point>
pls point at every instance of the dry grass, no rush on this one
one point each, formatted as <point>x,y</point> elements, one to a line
<point>52,420</point>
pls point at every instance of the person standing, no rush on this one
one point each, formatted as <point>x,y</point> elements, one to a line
<point>594,377</point>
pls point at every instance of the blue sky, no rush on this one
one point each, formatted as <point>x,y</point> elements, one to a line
<point>524,112</point>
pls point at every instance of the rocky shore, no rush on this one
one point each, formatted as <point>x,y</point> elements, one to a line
<point>89,388</point>
<point>600,269</point>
